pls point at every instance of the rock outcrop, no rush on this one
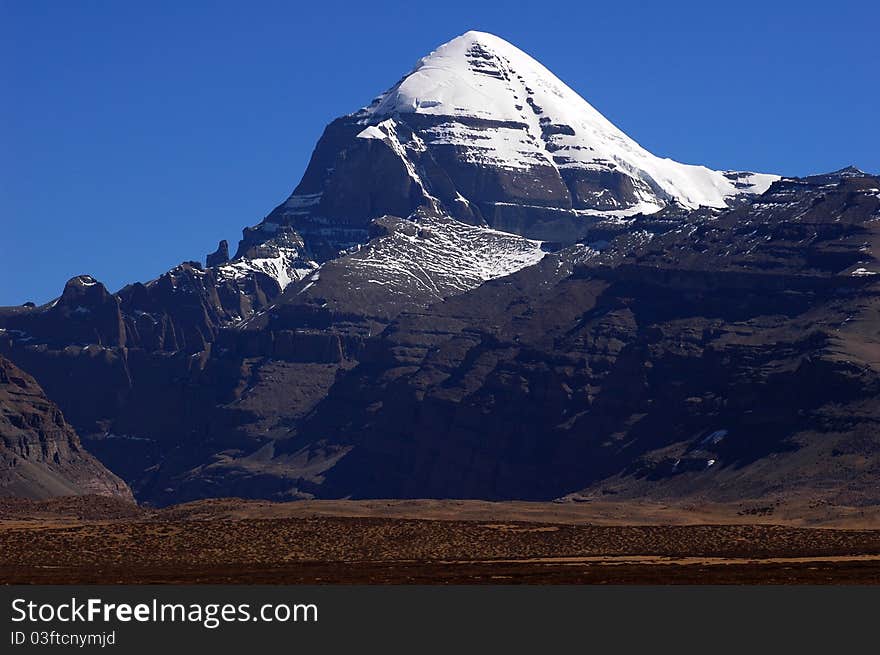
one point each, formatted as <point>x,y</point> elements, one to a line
<point>219,256</point>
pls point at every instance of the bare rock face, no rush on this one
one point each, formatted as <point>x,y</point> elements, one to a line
<point>185,308</point>
<point>40,454</point>
<point>85,313</point>
<point>219,256</point>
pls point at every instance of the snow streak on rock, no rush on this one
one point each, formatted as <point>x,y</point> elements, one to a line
<point>430,259</point>
<point>281,257</point>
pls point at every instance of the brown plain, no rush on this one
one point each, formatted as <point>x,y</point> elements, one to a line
<point>104,540</point>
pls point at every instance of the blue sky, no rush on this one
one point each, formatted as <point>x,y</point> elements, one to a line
<point>134,136</point>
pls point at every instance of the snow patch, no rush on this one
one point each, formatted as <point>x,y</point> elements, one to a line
<point>440,257</point>
<point>714,437</point>
<point>285,267</point>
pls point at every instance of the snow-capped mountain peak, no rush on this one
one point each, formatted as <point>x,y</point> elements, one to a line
<point>478,74</point>
<point>481,76</point>
<point>481,133</point>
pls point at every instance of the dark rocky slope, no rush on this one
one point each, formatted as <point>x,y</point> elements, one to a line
<point>735,356</point>
<point>683,352</point>
<point>720,353</point>
<point>40,454</point>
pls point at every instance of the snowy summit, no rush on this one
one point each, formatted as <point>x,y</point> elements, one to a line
<point>481,134</point>
<point>481,76</point>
